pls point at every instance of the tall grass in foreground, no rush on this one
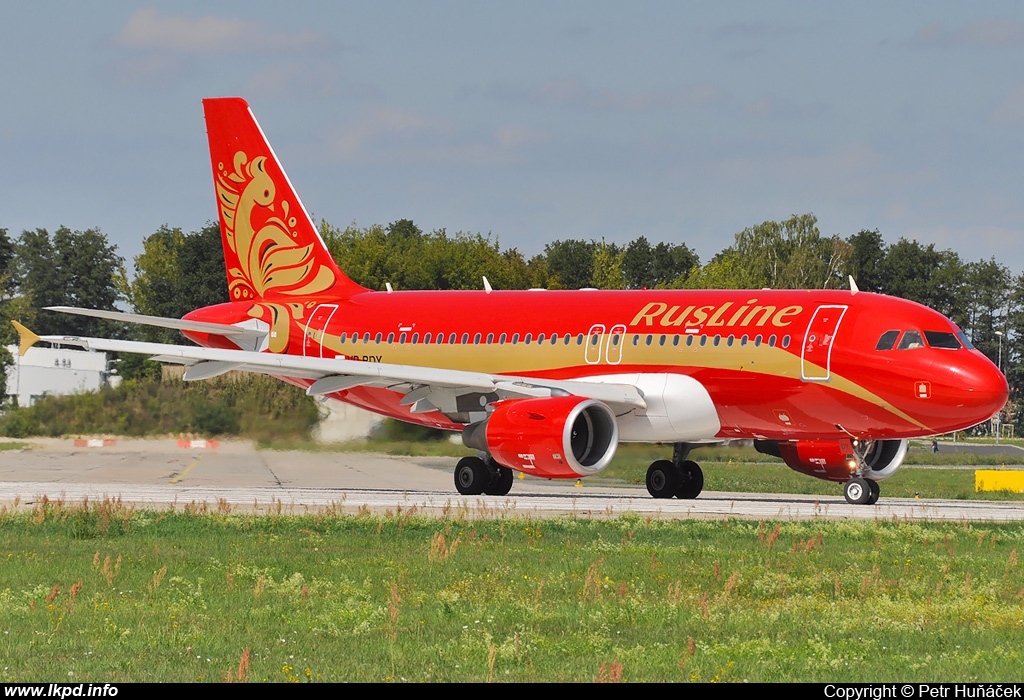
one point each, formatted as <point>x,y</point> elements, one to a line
<point>105,594</point>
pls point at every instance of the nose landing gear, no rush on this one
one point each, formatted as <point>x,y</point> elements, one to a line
<point>861,491</point>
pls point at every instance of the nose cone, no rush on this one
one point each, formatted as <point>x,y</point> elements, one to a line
<point>983,387</point>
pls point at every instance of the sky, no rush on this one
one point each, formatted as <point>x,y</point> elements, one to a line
<point>530,121</point>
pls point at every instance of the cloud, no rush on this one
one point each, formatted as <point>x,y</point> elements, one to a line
<point>762,107</point>
<point>148,29</point>
<point>1003,241</point>
<point>574,93</point>
<point>294,78</point>
<point>1011,110</point>
<point>391,135</point>
<point>989,33</point>
<point>150,69</point>
<point>853,168</point>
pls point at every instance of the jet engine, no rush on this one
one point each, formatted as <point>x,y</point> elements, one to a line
<point>558,437</point>
<point>837,460</point>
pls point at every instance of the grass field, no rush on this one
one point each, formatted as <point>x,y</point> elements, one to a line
<point>104,594</point>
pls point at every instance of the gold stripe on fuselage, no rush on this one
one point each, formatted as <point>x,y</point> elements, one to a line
<point>545,358</point>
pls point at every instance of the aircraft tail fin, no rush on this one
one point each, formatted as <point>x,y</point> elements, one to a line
<point>272,250</point>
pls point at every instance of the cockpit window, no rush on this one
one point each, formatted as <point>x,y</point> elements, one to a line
<point>942,339</point>
<point>888,340</point>
<point>911,340</point>
<point>963,339</point>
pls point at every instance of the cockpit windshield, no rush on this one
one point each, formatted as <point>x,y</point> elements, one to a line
<point>942,339</point>
<point>888,340</point>
<point>912,340</point>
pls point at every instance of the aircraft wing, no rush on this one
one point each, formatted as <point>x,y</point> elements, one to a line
<point>425,388</point>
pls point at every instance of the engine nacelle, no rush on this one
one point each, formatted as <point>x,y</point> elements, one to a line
<point>881,458</point>
<point>558,437</point>
<point>838,460</point>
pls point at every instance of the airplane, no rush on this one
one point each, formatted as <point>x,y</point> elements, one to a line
<point>548,383</point>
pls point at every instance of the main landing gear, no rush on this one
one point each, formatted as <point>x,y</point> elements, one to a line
<point>475,476</point>
<point>861,491</point>
<point>679,477</point>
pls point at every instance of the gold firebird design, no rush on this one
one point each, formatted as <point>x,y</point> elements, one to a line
<point>269,261</point>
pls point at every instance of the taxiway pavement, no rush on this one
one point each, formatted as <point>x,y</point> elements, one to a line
<point>159,474</point>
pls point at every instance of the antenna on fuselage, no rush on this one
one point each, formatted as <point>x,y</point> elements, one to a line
<point>387,285</point>
<point>853,285</point>
<point>487,285</point>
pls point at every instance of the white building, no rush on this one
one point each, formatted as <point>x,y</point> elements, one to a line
<point>56,371</point>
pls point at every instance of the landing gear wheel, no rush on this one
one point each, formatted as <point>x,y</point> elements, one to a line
<point>692,480</point>
<point>663,479</point>
<point>501,481</point>
<point>875,491</point>
<point>857,491</point>
<point>471,476</point>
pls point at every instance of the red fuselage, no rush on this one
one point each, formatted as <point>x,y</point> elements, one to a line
<point>782,365</point>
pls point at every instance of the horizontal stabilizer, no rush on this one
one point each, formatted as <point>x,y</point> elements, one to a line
<point>27,338</point>
<point>176,323</point>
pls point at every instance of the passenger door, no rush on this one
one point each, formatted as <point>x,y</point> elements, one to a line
<point>816,353</point>
<point>312,344</point>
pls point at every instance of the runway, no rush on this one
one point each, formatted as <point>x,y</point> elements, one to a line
<point>237,477</point>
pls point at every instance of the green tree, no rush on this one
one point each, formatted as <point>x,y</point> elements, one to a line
<point>671,262</point>
<point>155,287</point>
<point>987,307</point>
<point>724,271</point>
<point>867,253</point>
<point>638,264</point>
<point>607,267</point>
<point>570,264</point>
<point>175,274</point>
<point>73,268</point>
<point>8,287</point>
<point>792,254</point>
<point>516,273</point>
<point>646,266</point>
<point>920,273</point>
<point>203,274</point>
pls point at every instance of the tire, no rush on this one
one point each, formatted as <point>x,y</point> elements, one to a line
<point>663,479</point>
<point>692,481</point>
<point>501,481</point>
<point>471,476</point>
<point>857,491</point>
<point>876,490</point>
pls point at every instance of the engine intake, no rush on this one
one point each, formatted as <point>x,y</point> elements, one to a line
<point>558,437</point>
<point>838,460</point>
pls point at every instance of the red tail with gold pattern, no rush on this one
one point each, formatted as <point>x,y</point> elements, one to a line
<point>271,247</point>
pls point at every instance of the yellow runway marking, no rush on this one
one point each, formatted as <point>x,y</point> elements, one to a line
<point>187,470</point>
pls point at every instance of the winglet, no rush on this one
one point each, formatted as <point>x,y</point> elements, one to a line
<point>28,338</point>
